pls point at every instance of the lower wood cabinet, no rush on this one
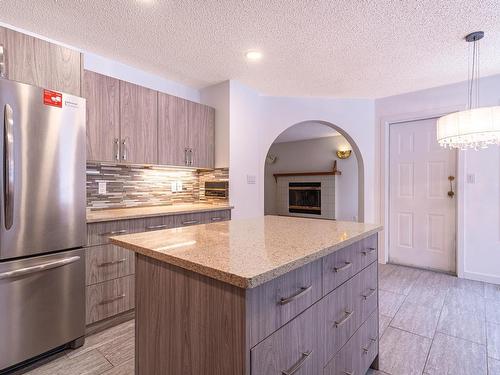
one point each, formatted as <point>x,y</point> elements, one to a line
<point>110,269</point>
<point>109,298</point>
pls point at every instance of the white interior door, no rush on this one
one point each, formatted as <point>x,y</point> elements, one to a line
<point>422,215</point>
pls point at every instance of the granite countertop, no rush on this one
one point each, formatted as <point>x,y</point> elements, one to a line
<point>247,252</point>
<point>140,212</point>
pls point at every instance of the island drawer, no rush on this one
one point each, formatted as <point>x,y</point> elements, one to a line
<point>369,250</point>
<point>358,353</point>
<point>341,266</point>
<point>99,233</point>
<point>201,218</point>
<point>109,298</point>
<point>274,303</point>
<point>347,307</point>
<point>108,262</point>
<point>295,346</point>
<point>368,296</point>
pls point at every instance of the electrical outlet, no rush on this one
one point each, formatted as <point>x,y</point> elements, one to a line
<point>471,178</point>
<point>251,179</point>
<point>173,187</point>
<point>179,186</point>
<point>102,187</point>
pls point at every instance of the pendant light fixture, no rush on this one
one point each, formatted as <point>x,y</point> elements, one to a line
<point>477,127</point>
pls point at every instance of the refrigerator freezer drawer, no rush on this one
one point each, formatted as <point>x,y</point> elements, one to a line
<point>42,304</point>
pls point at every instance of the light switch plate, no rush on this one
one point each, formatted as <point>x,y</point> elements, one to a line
<point>471,178</point>
<point>173,187</point>
<point>179,185</point>
<point>102,187</point>
<point>251,179</point>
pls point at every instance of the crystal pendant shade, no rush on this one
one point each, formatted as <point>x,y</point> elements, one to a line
<point>475,128</point>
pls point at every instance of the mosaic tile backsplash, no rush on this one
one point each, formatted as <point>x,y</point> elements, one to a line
<point>136,186</point>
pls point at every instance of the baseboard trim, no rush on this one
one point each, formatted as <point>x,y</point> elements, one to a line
<point>109,322</point>
<point>492,279</point>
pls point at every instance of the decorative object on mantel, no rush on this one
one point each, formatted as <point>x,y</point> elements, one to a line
<point>333,172</point>
<point>343,154</point>
<point>477,127</point>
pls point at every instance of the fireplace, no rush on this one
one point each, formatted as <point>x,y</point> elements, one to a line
<point>304,198</point>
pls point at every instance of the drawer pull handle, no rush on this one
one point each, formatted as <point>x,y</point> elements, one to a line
<point>367,349</point>
<point>349,372</point>
<point>155,227</point>
<point>113,232</point>
<point>216,218</point>
<point>369,294</point>
<point>300,293</point>
<point>114,299</point>
<point>189,222</point>
<point>296,367</point>
<point>346,266</point>
<point>105,264</point>
<point>344,319</point>
<point>369,251</point>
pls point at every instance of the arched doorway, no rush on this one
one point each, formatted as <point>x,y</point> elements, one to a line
<point>306,146</point>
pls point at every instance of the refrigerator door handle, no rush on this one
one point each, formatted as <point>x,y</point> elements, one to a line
<point>8,147</point>
<point>38,268</point>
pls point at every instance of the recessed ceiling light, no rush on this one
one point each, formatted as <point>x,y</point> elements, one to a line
<point>253,55</point>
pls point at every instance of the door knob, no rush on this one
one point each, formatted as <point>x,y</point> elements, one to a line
<point>451,193</point>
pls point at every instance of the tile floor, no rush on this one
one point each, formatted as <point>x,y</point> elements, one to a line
<point>430,323</point>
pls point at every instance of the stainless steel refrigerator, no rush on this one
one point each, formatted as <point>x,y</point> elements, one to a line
<point>42,221</point>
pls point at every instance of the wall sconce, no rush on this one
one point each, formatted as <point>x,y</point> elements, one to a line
<point>343,154</point>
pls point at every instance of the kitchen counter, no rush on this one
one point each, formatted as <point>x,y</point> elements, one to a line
<point>247,253</point>
<point>95,216</point>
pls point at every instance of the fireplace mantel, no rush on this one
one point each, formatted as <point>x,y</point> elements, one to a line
<point>288,174</point>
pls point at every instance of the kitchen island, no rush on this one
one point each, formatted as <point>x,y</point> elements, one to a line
<point>271,295</point>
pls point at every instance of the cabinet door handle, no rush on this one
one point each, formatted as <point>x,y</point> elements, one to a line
<point>349,372</point>
<point>113,262</point>
<point>217,218</point>
<point>186,156</point>
<point>113,232</point>
<point>2,61</point>
<point>367,349</point>
<point>113,299</point>
<point>368,251</point>
<point>116,145</point>
<point>346,266</point>
<point>369,294</point>
<point>155,227</point>
<point>190,156</point>
<point>302,291</point>
<point>189,222</point>
<point>124,149</point>
<point>345,318</point>
<point>296,367</point>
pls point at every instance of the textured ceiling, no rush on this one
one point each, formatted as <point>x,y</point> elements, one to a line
<point>307,130</point>
<point>342,48</point>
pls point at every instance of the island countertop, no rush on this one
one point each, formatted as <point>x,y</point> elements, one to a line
<point>247,252</point>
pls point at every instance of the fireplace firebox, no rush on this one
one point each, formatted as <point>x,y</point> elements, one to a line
<point>304,197</point>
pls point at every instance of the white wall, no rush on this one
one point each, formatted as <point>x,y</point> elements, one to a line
<point>354,116</point>
<point>478,204</point>
<point>217,96</point>
<point>314,155</point>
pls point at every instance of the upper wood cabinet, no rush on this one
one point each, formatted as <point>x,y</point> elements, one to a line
<point>37,62</point>
<point>173,137</point>
<point>138,124</point>
<point>186,132</point>
<point>103,116</point>
<point>201,128</point>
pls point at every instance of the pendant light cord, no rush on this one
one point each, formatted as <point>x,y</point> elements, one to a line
<point>474,78</point>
